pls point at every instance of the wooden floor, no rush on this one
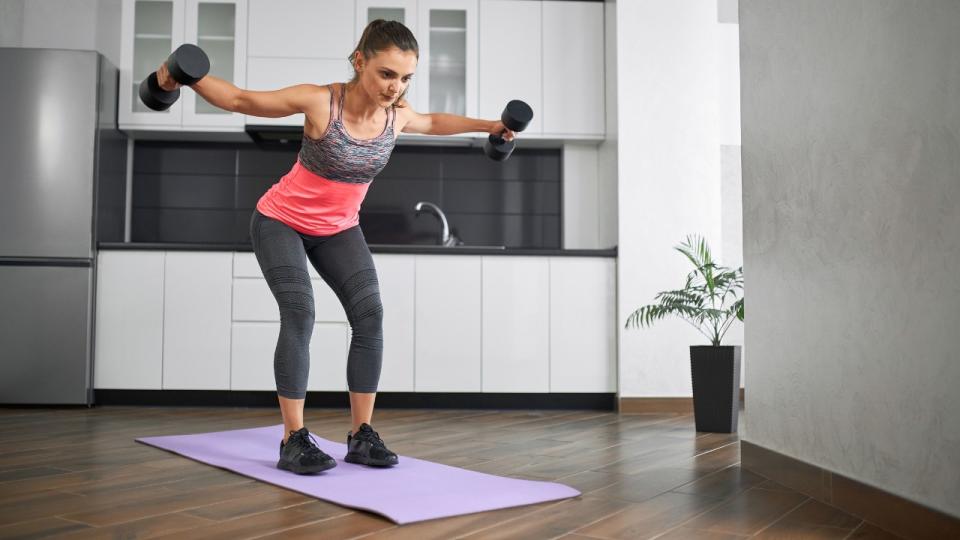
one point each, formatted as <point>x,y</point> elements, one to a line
<point>77,473</point>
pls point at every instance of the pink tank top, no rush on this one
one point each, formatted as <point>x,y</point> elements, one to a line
<point>322,193</point>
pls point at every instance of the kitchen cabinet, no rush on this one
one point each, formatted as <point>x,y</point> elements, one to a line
<point>396,274</point>
<point>151,30</point>
<point>510,68</point>
<point>447,35</point>
<point>295,42</point>
<point>254,346</point>
<point>516,324</point>
<point>583,324</point>
<point>448,324</point>
<point>196,320</point>
<point>452,323</point>
<point>553,59</point>
<point>129,320</point>
<point>573,69</point>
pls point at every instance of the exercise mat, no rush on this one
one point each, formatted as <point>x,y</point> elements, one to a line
<point>414,490</point>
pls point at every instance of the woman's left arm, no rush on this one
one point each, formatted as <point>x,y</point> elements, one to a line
<point>449,124</point>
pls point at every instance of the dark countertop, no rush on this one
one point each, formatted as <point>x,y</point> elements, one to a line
<point>375,248</point>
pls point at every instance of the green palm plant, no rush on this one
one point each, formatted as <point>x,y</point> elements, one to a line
<point>702,300</point>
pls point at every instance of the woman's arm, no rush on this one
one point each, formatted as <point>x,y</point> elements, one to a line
<point>267,104</point>
<point>449,124</point>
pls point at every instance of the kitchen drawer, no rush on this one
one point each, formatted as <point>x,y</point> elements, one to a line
<point>253,301</point>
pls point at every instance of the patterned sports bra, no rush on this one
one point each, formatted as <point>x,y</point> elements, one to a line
<point>336,155</point>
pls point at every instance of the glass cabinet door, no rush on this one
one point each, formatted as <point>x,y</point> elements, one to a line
<point>151,30</point>
<point>217,27</point>
<point>448,51</point>
<point>402,11</point>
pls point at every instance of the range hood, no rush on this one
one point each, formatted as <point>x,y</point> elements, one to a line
<point>275,136</point>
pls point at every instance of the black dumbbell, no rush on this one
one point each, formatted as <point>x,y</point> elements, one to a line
<point>187,65</point>
<point>516,116</point>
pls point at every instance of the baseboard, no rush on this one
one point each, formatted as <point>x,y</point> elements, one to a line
<point>680,405</point>
<point>398,400</point>
<point>885,510</point>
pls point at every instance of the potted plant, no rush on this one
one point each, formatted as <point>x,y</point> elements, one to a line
<point>709,302</point>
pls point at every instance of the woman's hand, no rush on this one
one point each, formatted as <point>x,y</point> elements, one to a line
<point>501,130</point>
<point>166,81</point>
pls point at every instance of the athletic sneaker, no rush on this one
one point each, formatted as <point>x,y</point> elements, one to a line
<point>367,448</point>
<point>302,455</point>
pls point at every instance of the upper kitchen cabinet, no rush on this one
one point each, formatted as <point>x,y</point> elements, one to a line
<point>573,73</point>
<point>549,54</point>
<point>510,36</point>
<point>295,42</point>
<point>402,11</point>
<point>447,35</point>
<point>447,72</point>
<point>219,28</point>
<point>151,30</point>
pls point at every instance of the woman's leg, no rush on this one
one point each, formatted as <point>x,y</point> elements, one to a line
<point>345,263</point>
<point>282,257</point>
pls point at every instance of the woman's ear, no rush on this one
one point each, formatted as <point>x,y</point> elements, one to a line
<point>358,61</point>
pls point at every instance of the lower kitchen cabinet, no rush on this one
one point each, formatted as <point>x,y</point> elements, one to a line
<point>447,324</point>
<point>196,320</point>
<point>583,346</point>
<point>452,323</point>
<point>129,321</point>
<point>254,344</point>
<point>516,324</point>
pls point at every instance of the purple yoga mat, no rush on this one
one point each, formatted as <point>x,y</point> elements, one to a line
<point>413,490</point>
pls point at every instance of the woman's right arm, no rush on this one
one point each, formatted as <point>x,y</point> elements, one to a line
<point>267,104</point>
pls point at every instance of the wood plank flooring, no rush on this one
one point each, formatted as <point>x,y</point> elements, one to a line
<point>77,473</point>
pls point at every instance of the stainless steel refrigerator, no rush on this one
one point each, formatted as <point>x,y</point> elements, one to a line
<point>62,170</point>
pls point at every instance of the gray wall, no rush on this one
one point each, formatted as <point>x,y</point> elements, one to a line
<point>92,25</point>
<point>851,200</point>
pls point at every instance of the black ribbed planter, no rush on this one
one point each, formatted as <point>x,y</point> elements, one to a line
<point>716,387</point>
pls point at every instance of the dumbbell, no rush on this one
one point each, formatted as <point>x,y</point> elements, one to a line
<point>516,116</point>
<point>187,65</point>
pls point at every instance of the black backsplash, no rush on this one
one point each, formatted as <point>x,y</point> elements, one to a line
<point>206,192</point>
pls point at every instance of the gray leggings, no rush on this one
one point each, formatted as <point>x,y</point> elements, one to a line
<point>344,262</point>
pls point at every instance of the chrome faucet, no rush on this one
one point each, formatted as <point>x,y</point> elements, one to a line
<point>445,238</point>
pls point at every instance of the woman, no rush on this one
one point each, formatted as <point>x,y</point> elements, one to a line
<point>312,214</point>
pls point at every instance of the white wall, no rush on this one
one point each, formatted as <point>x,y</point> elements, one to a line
<point>62,24</point>
<point>851,162</point>
<point>676,96</point>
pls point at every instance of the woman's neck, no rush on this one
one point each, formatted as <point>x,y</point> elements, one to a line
<point>356,103</point>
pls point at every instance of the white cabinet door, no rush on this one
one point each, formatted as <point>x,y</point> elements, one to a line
<point>196,321</point>
<point>573,87</point>
<point>397,277</point>
<point>219,27</point>
<point>253,302</point>
<point>516,324</point>
<point>510,41</point>
<point>448,319</point>
<point>583,325</point>
<point>251,356</point>
<point>328,357</point>
<point>447,71</point>
<point>277,73</point>
<point>301,29</point>
<point>403,11</point>
<point>150,30</point>
<point>254,347</point>
<point>129,320</point>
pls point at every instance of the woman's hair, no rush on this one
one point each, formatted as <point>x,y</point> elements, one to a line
<point>379,35</point>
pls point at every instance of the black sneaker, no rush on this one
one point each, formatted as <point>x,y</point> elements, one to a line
<point>302,456</point>
<point>367,448</point>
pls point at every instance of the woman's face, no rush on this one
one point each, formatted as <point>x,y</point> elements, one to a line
<point>386,74</point>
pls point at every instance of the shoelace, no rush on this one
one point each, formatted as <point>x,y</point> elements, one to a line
<point>372,437</point>
<point>305,445</point>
